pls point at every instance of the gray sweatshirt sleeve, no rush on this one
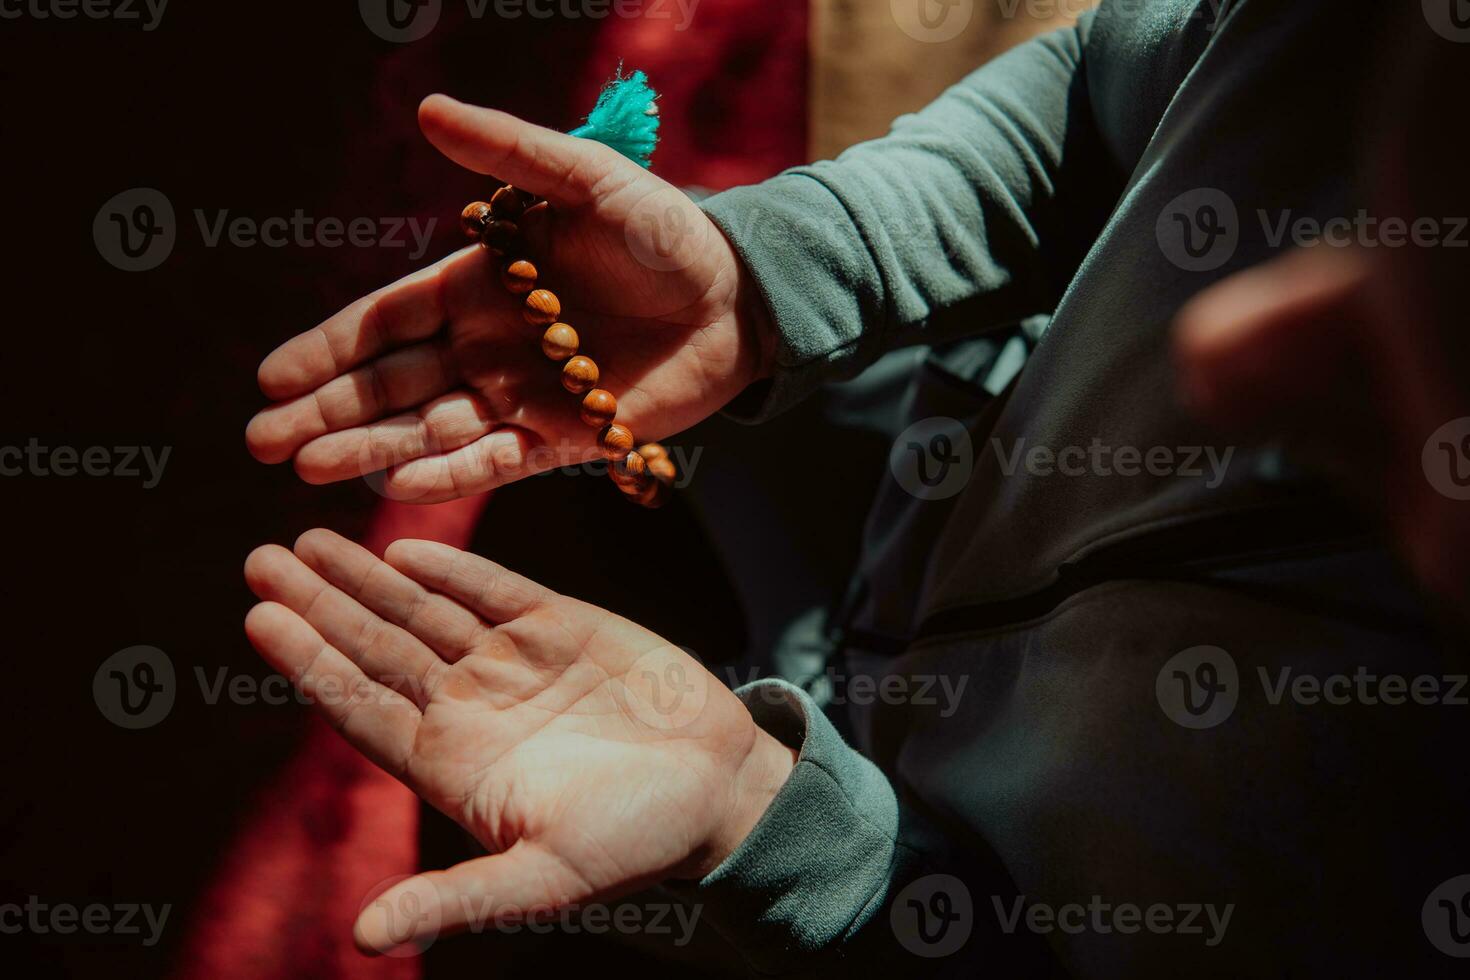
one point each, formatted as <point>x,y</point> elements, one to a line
<point>812,891</point>
<point>950,224</point>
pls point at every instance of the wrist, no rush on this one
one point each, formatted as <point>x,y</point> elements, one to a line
<point>761,775</point>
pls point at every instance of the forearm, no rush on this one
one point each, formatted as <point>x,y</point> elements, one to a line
<point>950,225</point>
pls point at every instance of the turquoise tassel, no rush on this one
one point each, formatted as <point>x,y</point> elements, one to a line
<point>625,118</point>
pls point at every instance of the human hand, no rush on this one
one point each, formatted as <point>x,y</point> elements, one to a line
<point>438,380</point>
<point>588,755</point>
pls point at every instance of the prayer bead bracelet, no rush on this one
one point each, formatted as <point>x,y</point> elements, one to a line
<point>645,474</point>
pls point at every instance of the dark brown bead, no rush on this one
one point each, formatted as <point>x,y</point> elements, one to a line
<point>663,469</point>
<point>654,496</point>
<point>579,375</point>
<point>472,219</point>
<point>632,485</point>
<point>500,238</point>
<point>616,441</point>
<point>542,308</point>
<point>519,277</point>
<point>506,203</point>
<point>599,408</point>
<point>559,342</point>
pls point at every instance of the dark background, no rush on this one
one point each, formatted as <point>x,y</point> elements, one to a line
<point>259,109</point>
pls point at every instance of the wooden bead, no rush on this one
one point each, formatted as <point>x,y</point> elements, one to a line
<point>580,375</point>
<point>616,441</point>
<point>506,203</point>
<point>630,473</point>
<point>599,408</point>
<point>663,469</point>
<point>652,450</point>
<point>500,238</point>
<point>472,219</point>
<point>519,277</point>
<point>542,308</point>
<point>560,342</point>
<point>654,496</point>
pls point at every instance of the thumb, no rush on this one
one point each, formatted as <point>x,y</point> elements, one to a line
<point>480,894</point>
<point>558,167</point>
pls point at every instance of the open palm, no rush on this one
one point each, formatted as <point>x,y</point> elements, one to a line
<point>438,380</point>
<point>588,755</point>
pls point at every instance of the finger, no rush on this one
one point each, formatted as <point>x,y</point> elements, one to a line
<point>443,425</point>
<point>379,723</point>
<point>505,455</point>
<point>492,591</point>
<point>1264,348</point>
<point>564,169</point>
<point>524,883</point>
<point>385,652</point>
<point>410,309</point>
<point>444,625</point>
<point>395,381</point>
